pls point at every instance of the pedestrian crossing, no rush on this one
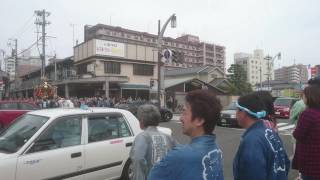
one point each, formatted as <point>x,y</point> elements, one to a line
<point>283,127</point>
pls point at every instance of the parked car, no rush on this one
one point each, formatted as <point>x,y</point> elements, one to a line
<point>282,106</point>
<point>69,143</point>
<point>10,110</point>
<point>228,116</point>
<point>166,114</point>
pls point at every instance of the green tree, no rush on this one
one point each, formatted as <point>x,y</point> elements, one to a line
<point>238,78</point>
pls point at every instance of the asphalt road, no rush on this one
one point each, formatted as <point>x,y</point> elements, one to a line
<point>229,138</point>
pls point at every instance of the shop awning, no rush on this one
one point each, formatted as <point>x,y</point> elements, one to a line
<point>134,86</point>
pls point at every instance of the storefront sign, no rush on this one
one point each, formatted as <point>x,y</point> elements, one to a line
<point>109,48</point>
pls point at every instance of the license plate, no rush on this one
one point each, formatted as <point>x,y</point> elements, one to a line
<point>277,113</point>
<point>223,120</point>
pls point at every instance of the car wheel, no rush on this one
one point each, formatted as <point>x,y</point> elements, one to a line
<point>127,173</point>
<point>167,116</point>
<point>1,126</point>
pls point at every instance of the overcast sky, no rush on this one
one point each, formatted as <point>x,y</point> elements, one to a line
<point>291,27</point>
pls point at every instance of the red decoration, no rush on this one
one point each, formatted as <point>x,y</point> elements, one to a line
<point>45,91</point>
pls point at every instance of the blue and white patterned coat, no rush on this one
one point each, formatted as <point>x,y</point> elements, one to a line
<point>200,160</point>
<point>261,155</point>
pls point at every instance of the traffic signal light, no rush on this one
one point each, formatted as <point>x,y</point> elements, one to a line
<point>177,57</point>
<point>151,83</point>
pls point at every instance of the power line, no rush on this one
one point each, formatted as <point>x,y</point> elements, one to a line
<point>29,46</point>
<point>23,27</point>
<point>37,26</point>
<point>41,20</point>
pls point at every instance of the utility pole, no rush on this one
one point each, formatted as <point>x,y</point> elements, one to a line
<point>55,67</point>
<point>16,60</point>
<point>260,78</point>
<point>3,60</point>
<point>41,20</point>
<point>72,25</point>
<point>161,31</point>
<point>14,55</point>
<point>159,66</point>
<point>269,58</point>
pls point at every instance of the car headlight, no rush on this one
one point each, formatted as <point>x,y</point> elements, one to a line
<point>233,116</point>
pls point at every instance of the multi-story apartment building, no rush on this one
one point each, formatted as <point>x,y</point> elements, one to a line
<point>10,67</point>
<point>295,73</point>
<point>25,64</point>
<point>196,53</point>
<point>255,65</point>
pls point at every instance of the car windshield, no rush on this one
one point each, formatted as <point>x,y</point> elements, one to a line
<point>232,106</point>
<point>282,102</point>
<point>13,138</point>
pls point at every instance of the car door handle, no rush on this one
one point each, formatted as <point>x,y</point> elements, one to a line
<point>74,155</point>
<point>128,144</point>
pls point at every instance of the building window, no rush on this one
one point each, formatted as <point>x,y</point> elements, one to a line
<point>106,127</point>
<point>82,68</point>
<point>64,132</point>
<point>143,69</point>
<point>112,67</point>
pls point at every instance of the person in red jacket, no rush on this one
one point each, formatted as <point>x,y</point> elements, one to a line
<point>307,134</point>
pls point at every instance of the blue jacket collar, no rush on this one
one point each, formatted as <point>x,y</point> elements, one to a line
<point>203,138</point>
<point>256,125</point>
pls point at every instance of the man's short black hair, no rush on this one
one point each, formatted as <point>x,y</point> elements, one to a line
<point>252,102</point>
<point>204,104</point>
<point>267,99</point>
<point>314,81</point>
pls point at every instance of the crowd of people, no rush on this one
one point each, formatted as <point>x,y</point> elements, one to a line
<point>71,102</point>
<point>260,156</point>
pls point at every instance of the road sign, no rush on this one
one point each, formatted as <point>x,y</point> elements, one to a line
<point>167,54</point>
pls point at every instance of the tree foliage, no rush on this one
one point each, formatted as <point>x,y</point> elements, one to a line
<point>238,78</point>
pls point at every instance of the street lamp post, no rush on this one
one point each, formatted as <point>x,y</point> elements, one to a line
<point>173,21</point>
<point>269,58</point>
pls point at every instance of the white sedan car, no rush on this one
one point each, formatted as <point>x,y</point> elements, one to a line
<point>91,144</point>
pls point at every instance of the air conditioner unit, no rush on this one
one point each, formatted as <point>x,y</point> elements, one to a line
<point>90,68</point>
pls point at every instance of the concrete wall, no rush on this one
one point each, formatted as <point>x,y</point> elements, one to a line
<point>132,52</point>
<point>126,69</point>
